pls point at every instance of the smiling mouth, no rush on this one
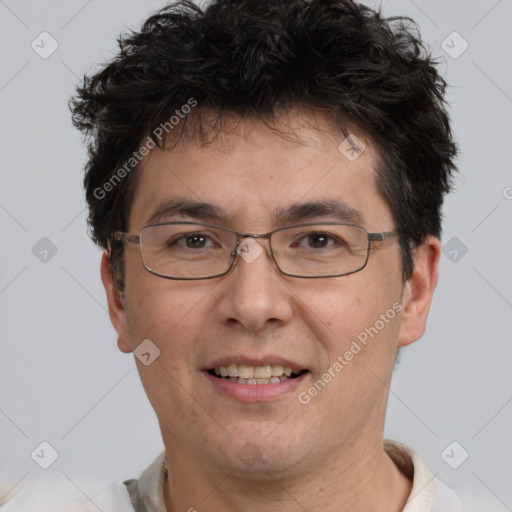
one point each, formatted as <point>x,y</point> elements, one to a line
<point>243,374</point>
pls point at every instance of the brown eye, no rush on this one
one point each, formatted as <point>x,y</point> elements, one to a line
<point>196,241</point>
<point>318,240</point>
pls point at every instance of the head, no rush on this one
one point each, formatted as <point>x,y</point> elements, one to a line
<point>245,107</point>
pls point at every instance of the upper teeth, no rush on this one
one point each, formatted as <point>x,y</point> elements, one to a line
<point>253,372</point>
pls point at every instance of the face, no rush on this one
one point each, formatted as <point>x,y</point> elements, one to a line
<point>338,335</point>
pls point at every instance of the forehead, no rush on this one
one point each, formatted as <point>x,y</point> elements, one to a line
<point>254,176</point>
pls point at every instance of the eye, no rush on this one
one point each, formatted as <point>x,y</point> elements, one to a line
<point>193,241</point>
<point>317,240</point>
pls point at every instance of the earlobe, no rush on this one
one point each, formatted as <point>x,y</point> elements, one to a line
<point>116,304</point>
<point>419,291</point>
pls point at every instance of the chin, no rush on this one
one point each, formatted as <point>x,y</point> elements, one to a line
<point>264,452</point>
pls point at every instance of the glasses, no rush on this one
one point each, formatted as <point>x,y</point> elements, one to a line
<point>190,250</point>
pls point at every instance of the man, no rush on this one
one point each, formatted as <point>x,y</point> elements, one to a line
<point>266,180</point>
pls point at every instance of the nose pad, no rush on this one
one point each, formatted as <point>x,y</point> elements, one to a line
<point>249,249</point>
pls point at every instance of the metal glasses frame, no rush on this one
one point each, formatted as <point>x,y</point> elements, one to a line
<point>121,236</point>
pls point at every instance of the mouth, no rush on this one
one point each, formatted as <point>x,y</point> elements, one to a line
<point>255,375</point>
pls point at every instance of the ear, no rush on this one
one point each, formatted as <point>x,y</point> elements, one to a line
<point>116,304</point>
<point>419,290</point>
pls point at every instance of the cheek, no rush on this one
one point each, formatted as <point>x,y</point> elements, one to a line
<point>164,311</point>
<point>169,316</point>
<point>360,322</point>
<point>361,358</point>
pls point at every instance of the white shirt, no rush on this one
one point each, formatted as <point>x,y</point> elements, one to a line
<point>146,494</point>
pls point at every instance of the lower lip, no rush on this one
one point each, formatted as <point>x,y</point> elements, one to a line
<point>256,392</point>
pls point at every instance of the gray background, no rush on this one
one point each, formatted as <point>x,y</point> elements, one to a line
<point>62,379</point>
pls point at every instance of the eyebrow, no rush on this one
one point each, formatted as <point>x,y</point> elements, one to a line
<point>185,208</point>
<point>334,209</point>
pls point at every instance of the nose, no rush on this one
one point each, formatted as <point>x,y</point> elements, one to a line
<point>254,293</point>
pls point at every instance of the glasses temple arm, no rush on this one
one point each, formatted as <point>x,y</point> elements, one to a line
<point>380,237</point>
<point>125,237</point>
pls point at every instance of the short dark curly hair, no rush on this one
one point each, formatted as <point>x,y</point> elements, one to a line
<point>255,57</point>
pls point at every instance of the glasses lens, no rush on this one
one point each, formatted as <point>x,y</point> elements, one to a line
<point>320,250</point>
<point>186,250</point>
<point>196,251</point>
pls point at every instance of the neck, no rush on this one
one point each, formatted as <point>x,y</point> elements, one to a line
<point>361,478</point>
